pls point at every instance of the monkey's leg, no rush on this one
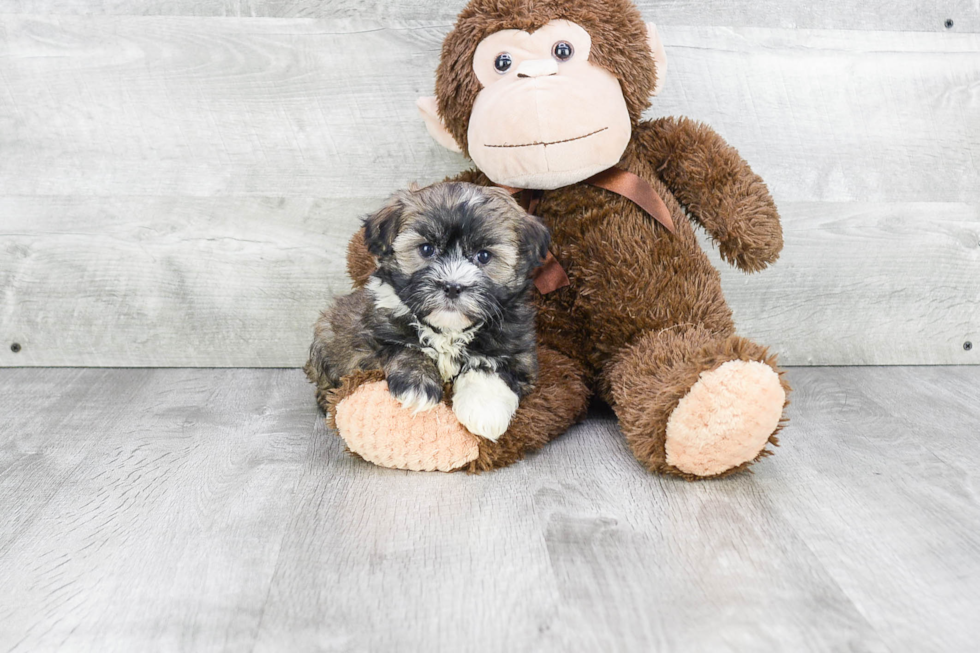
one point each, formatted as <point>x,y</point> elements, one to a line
<point>697,405</point>
<point>377,428</point>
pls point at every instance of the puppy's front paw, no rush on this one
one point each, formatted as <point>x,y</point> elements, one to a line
<point>415,392</point>
<point>484,404</point>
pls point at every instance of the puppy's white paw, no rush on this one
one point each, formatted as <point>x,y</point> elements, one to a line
<point>416,401</point>
<point>484,404</point>
<point>415,394</point>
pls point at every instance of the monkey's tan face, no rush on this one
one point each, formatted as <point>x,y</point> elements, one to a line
<point>546,117</point>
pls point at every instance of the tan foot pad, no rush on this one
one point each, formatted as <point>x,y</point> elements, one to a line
<point>725,419</point>
<point>376,427</point>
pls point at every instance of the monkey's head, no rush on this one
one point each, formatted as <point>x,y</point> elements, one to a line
<point>544,93</point>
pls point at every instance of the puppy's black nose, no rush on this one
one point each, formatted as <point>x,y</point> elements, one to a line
<point>452,290</point>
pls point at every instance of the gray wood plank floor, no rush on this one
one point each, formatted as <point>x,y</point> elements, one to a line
<point>212,510</point>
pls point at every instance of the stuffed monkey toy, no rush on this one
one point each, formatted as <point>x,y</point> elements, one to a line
<point>546,98</point>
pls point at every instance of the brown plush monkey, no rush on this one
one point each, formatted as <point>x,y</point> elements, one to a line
<point>543,95</point>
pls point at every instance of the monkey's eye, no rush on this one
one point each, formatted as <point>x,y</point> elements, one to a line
<point>563,50</point>
<point>483,257</point>
<point>503,62</point>
<point>426,250</point>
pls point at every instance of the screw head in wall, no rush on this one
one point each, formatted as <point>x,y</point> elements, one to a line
<point>967,346</point>
<point>949,23</point>
<point>15,347</point>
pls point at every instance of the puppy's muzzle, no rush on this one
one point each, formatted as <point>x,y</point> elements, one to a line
<point>455,277</point>
<point>452,290</point>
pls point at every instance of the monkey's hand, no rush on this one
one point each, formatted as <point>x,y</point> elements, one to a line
<point>484,403</point>
<point>717,187</point>
<point>414,381</point>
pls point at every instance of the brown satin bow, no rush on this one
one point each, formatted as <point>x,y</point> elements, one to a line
<point>550,276</point>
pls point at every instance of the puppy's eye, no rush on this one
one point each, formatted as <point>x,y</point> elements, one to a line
<point>426,250</point>
<point>503,62</point>
<point>562,50</point>
<point>483,257</point>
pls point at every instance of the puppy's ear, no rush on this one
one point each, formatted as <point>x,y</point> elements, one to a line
<point>534,238</point>
<point>381,228</point>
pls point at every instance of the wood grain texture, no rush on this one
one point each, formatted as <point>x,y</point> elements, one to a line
<point>878,15</point>
<point>123,7</point>
<point>232,281</point>
<point>179,190</point>
<point>146,505</point>
<point>866,284</point>
<point>277,107</point>
<point>905,497</point>
<point>211,509</point>
<point>165,282</point>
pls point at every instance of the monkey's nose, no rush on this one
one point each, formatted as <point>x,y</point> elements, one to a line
<point>452,290</point>
<point>537,68</point>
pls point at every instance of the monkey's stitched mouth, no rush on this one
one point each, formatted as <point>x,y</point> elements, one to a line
<point>567,140</point>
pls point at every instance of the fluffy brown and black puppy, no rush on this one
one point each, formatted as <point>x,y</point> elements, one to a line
<point>448,303</point>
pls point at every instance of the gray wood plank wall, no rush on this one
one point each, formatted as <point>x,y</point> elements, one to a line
<point>178,179</point>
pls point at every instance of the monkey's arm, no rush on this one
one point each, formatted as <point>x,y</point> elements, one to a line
<point>717,187</point>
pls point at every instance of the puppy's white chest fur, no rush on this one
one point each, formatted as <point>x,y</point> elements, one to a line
<point>447,349</point>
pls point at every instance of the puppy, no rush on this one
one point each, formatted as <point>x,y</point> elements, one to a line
<point>448,303</point>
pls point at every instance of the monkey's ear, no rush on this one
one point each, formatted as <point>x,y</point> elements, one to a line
<point>659,55</point>
<point>429,108</point>
<point>381,228</point>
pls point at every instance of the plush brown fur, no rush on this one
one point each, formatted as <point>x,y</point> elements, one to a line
<point>644,314</point>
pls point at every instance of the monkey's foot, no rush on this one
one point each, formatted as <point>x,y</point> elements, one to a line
<point>377,428</point>
<point>726,418</point>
